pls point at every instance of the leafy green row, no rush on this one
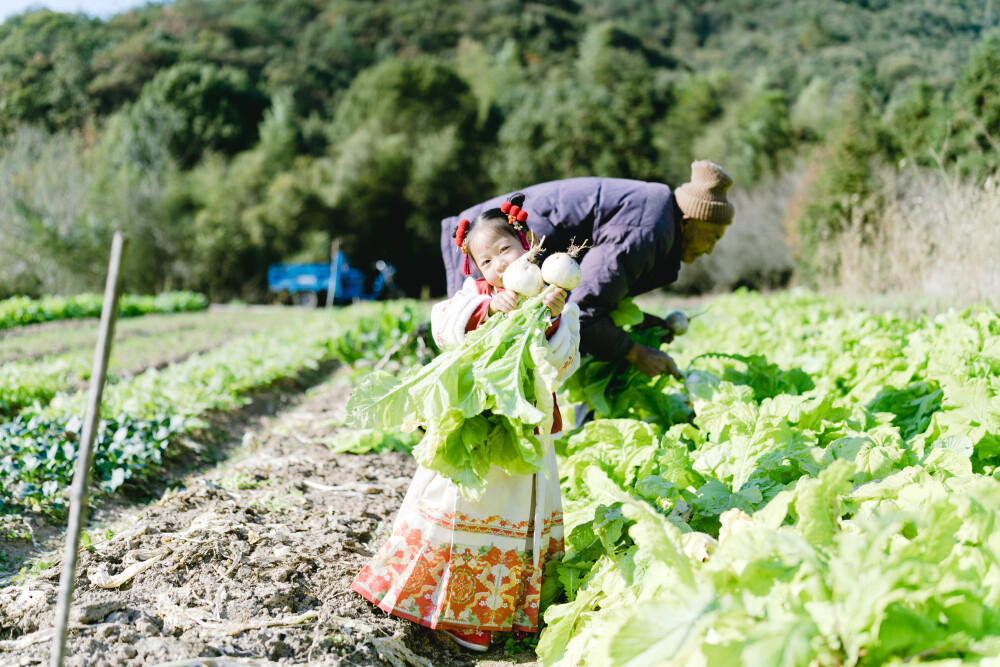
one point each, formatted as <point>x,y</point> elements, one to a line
<point>38,456</point>
<point>900,571</point>
<point>37,380</point>
<point>23,383</point>
<point>886,363</point>
<point>20,310</point>
<point>740,538</point>
<point>37,448</point>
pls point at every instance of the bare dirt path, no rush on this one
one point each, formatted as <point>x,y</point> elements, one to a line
<point>247,563</point>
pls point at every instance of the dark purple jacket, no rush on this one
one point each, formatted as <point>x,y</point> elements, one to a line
<point>632,226</point>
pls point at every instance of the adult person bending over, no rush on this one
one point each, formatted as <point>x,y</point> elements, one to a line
<point>640,232</point>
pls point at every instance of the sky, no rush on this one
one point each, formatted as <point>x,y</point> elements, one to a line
<point>98,8</point>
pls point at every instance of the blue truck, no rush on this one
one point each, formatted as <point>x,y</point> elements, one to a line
<point>307,284</point>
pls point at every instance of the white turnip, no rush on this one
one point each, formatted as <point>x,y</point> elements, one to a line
<point>523,277</point>
<point>677,322</point>
<point>561,270</point>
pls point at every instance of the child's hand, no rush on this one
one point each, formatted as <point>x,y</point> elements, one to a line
<point>504,302</point>
<point>555,301</point>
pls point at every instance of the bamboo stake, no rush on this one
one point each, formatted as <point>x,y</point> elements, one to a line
<point>334,282</point>
<point>85,454</point>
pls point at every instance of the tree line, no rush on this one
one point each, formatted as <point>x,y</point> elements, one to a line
<point>223,135</point>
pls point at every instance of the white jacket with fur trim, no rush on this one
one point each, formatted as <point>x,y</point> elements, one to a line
<point>450,319</point>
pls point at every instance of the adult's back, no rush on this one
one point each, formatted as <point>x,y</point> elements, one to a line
<point>631,226</point>
<point>640,233</point>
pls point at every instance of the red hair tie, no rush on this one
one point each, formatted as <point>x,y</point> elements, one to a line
<point>505,207</point>
<point>463,225</point>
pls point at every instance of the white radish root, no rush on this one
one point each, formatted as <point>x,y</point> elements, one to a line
<point>562,271</point>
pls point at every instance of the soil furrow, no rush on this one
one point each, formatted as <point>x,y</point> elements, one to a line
<point>251,559</point>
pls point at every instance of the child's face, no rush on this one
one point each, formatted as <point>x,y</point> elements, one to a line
<point>493,251</point>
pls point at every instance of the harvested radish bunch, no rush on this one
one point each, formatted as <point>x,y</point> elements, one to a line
<point>480,402</point>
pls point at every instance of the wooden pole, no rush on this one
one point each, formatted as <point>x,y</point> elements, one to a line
<point>85,454</point>
<point>334,282</point>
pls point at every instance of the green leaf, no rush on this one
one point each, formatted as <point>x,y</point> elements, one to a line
<point>510,380</point>
<point>626,313</point>
<point>381,401</point>
<point>817,502</point>
<point>657,632</point>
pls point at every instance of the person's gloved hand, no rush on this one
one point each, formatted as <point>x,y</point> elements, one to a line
<point>652,362</point>
<point>649,321</point>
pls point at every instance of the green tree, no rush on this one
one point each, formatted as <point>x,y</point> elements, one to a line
<point>544,29</point>
<point>975,147</point>
<point>200,107</point>
<point>593,119</point>
<point>694,101</point>
<point>842,188</point>
<point>53,239</point>
<point>406,152</point>
<point>918,126</point>
<point>754,139</point>
<point>45,68</point>
<point>231,223</point>
<point>129,195</point>
<point>122,69</point>
<point>813,112</point>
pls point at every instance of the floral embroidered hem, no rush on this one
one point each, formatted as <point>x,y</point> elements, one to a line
<point>454,563</point>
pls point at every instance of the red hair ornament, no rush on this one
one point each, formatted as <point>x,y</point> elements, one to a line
<point>463,227</point>
<point>515,216</point>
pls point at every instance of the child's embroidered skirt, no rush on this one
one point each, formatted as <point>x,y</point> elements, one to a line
<point>453,563</point>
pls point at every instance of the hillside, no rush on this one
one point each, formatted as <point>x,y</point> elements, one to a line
<point>230,134</point>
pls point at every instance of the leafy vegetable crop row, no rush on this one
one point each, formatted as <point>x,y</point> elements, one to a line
<point>25,382</point>
<point>159,333</point>
<point>823,492</point>
<point>38,448</point>
<point>20,310</point>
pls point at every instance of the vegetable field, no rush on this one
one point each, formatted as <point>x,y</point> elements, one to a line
<point>831,502</point>
<point>821,490</point>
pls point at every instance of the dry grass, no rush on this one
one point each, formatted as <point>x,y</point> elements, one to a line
<point>936,246</point>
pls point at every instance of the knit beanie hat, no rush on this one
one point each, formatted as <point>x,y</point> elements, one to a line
<point>704,197</point>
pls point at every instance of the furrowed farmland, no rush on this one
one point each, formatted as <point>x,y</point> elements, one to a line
<point>821,489</point>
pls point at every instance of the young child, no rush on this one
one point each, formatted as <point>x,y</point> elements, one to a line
<point>464,567</point>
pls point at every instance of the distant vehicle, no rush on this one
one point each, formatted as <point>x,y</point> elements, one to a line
<point>307,284</point>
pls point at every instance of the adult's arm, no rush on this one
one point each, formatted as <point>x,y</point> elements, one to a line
<point>604,284</point>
